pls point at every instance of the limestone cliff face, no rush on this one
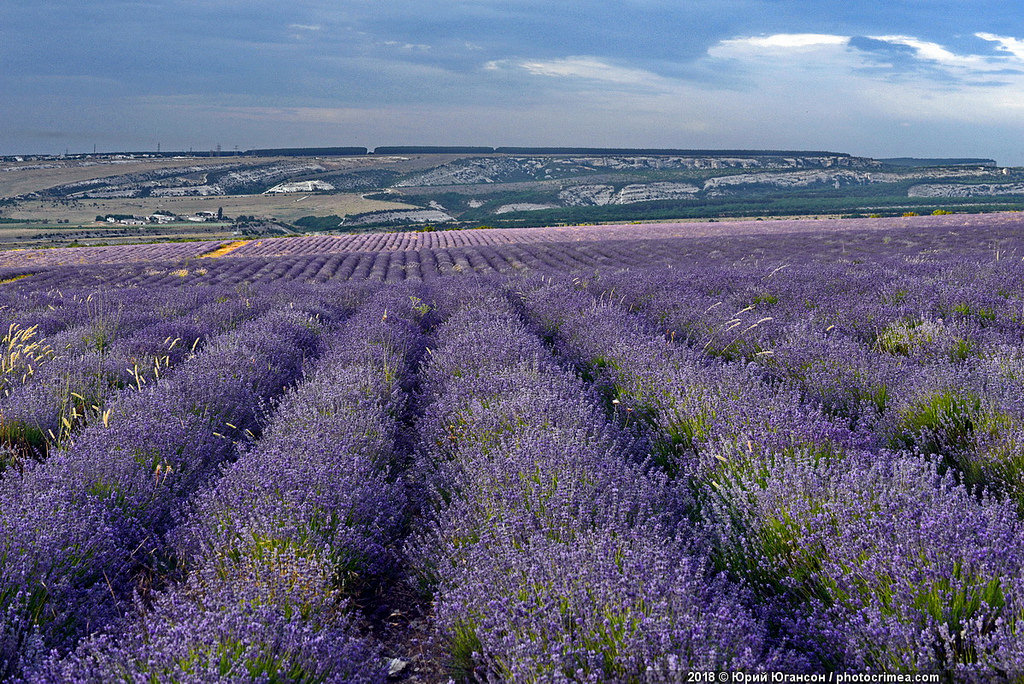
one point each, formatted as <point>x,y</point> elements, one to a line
<point>965,189</point>
<point>837,178</point>
<point>798,179</point>
<point>568,176</point>
<point>587,195</point>
<point>481,170</point>
<point>600,195</point>
<point>186,181</point>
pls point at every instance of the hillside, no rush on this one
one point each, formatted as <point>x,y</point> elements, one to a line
<point>263,192</point>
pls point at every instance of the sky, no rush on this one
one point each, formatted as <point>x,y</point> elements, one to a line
<point>880,78</point>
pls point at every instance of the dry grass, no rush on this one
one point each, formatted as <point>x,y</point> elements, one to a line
<point>18,179</point>
<point>20,353</point>
<point>283,207</point>
<point>21,180</point>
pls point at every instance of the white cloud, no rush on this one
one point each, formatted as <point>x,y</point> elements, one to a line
<point>969,87</point>
<point>1013,46</point>
<point>925,49</point>
<point>773,62</point>
<point>820,60</point>
<point>808,90</point>
<point>305,27</point>
<point>779,42</point>
<point>937,54</point>
<point>797,47</point>
<point>414,47</point>
<point>584,68</point>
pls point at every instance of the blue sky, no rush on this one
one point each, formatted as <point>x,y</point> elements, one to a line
<point>878,78</point>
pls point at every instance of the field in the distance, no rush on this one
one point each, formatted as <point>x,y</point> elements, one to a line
<point>329,191</point>
<point>21,178</point>
<point>607,453</point>
<point>283,207</point>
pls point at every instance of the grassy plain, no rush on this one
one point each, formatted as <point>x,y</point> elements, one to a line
<point>21,178</point>
<point>285,207</point>
<point>78,218</point>
<point>68,236</point>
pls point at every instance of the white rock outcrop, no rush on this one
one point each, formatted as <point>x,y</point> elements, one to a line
<point>398,216</point>
<point>587,195</point>
<point>600,195</point>
<point>300,186</point>
<point>484,170</point>
<point>647,192</point>
<point>523,206</point>
<point>965,189</point>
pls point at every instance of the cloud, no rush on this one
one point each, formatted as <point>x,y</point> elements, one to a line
<point>892,75</point>
<point>412,47</point>
<point>584,68</point>
<point>732,73</point>
<point>782,44</point>
<point>779,42</point>
<point>804,88</point>
<point>1013,46</point>
<point>942,57</point>
<point>903,59</point>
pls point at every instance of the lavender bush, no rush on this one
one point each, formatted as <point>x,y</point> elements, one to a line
<point>83,528</point>
<point>295,528</point>
<point>551,551</point>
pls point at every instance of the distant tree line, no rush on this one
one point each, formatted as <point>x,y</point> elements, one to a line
<point>461,149</point>
<point>647,151</point>
<point>666,152</point>
<point>319,222</point>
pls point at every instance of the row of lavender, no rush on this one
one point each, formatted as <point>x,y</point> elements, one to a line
<point>265,555</point>
<point>86,528</point>
<point>454,239</point>
<point>273,556</point>
<point>105,254</point>
<point>797,490</point>
<point>255,573</point>
<point>862,514</point>
<point>551,546</point>
<point>64,355</point>
<point>584,256</point>
<point>923,357</point>
<point>66,376</point>
<point>383,266</point>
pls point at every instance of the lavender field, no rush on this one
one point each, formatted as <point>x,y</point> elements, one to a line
<point>630,454</point>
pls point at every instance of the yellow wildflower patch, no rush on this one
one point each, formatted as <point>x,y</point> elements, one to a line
<point>225,249</point>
